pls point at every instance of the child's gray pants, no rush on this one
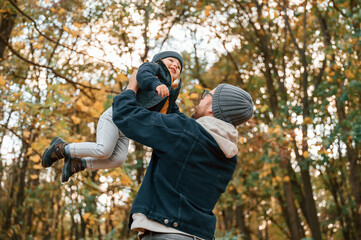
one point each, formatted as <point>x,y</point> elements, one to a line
<point>111,148</point>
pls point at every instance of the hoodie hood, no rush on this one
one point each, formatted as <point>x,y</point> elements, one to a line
<point>225,134</point>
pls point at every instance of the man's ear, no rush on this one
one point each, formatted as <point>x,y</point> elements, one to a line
<point>209,110</point>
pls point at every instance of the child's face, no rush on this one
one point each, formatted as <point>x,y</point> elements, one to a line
<point>173,65</point>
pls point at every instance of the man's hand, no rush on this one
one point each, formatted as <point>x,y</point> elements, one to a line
<point>162,90</point>
<point>133,84</point>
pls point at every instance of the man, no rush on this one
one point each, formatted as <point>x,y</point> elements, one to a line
<point>192,162</point>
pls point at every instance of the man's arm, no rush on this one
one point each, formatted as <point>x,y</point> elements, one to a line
<point>153,129</point>
<point>133,83</point>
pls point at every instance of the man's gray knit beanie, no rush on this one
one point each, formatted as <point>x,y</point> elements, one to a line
<point>232,104</point>
<point>166,54</point>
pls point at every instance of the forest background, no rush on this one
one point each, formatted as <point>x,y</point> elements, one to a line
<point>299,160</point>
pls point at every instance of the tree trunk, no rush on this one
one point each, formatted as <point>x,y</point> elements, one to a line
<point>295,227</point>
<point>354,177</point>
<point>241,223</point>
<point>6,26</point>
<point>9,208</point>
<point>21,191</point>
<point>288,206</point>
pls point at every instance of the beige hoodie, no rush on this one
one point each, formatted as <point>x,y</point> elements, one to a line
<point>226,136</point>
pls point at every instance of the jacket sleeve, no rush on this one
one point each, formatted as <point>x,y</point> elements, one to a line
<point>156,130</point>
<point>175,92</point>
<point>146,76</point>
<point>174,108</point>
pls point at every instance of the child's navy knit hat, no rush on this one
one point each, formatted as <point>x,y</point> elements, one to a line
<point>166,54</point>
<point>232,104</point>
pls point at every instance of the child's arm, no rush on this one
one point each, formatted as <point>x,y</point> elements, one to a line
<point>147,76</point>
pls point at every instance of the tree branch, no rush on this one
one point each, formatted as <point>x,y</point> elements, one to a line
<point>57,42</point>
<point>53,70</point>
<point>20,137</point>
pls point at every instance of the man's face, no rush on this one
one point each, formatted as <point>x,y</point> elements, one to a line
<point>204,106</point>
<point>173,65</point>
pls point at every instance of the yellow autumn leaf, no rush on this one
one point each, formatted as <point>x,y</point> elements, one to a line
<point>194,96</point>
<point>185,96</point>
<point>62,11</point>
<point>113,217</point>
<point>208,8</point>
<point>188,103</point>
<point>18,94</point>
<point>38,46</point>
<point>75,119</point>
<point>78,25</point>
<point>53,9</point>
<point>66,29</point>
<point>264,108</point>
<point>29,152</point>
<point>41,39</point>
<point>121,77</point>
<point>286,179</point>
<point>2,81</point>
<point>97,109</point>
<point>198,86</point>
<point>349,74</point>
<point>125,180</point>
<point>244,197</point>
<point>26,134</point>
<point>35,158</point>
<point>86,216</point>
<point>278,179</point>
<point>80,106</point>
<point>277,129</point>
<point>307,120</point>
<point>75,33</point>
<point>306,154</point>
<point>34,176</point>
<point>37,166</point>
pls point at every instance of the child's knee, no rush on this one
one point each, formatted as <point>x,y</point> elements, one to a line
<point>104,153</point>
<point>118,159</point>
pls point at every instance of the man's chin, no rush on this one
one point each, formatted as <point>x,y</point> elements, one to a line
<point>195,115</point>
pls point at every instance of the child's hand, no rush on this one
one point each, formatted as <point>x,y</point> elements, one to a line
<point>162,90</point>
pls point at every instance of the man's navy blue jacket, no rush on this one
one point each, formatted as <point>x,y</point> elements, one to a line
<point>187,173</point>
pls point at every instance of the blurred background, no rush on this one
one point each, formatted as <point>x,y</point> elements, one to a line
<point>299,160</point>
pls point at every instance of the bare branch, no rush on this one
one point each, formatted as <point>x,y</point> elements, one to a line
<point>231,58</point>
<point>20,137</point>
<point>53,70</point>
<point>57,42</point>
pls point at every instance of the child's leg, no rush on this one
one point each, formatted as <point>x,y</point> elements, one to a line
<point>107,136</point>
<point>116,159</point>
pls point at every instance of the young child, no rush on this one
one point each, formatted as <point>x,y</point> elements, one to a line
<point>157,93</point>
